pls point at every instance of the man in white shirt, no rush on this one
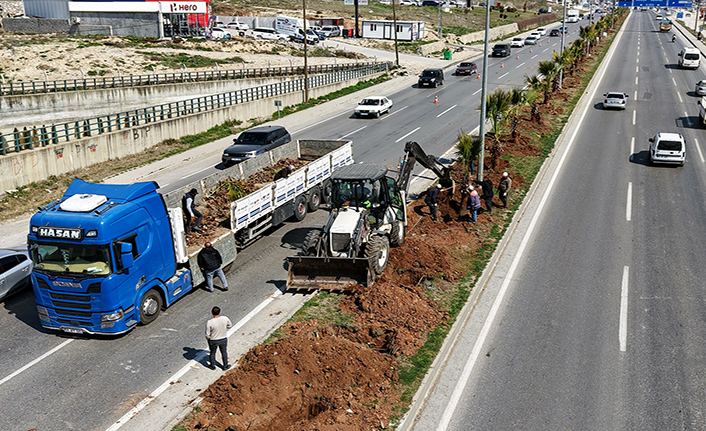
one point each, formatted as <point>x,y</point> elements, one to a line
<point>217,337</point>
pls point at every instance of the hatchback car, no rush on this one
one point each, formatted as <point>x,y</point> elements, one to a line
<point>431,78</point>
<point>254,142</point>
<point>615,100</point>
<point>15,271</point>
<point>373,106</point>
<point>701,88</point>
<point>501,50</point>
<point>668,148</point>
<point>517,42</point>
<point>466,68</point>
<point>531,40</point>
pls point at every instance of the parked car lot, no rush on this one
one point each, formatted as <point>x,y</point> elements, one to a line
<point>466,68</point>
<point>615,100</point>
<point>255,141</point>
<point>373,106</point>
<point>15,271</point>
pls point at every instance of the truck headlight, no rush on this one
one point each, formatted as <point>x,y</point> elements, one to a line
<point>112,317</point>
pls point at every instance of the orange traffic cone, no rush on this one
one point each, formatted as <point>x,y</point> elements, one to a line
<point>436,99</point>
<point>502,64</point>
<point>540,44</point>
<point>478,76</point>
<point>530,50</point>
<point>548,40</point>
<point>517,57</point>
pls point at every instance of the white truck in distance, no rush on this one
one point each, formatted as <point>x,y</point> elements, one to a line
<point>572,15</point>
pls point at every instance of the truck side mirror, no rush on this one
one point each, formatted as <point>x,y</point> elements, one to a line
<point>126,257</point>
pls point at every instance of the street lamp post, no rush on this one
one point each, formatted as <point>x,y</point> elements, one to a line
<point>484,85</point>
<point>306,64</point>
<point>561,50</point>
<point>394,23</point>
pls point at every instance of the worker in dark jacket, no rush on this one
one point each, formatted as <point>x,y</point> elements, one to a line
<point>188,205</point>
<point>504,188</point>
<point>430,200</point>
<point>210,262</point>
<point>487,187</point>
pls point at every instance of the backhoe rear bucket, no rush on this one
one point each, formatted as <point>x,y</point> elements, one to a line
<point>327,273</point>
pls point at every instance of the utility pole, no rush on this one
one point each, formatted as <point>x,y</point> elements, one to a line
<point>306,64</point>
<point>440,29</point>
<point>356,19</point>
<point>696,21</point>
<point>394,23</point>
<point>563,36</point>
<point>483,97</point>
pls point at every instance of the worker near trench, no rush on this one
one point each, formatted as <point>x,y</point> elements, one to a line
<point>431,201</point>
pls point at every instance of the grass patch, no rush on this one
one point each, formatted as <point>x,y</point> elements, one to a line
<point>324,307</point>
<point>177,61</point>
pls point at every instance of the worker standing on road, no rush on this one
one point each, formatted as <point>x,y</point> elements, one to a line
<point>430,200</point>
<point>210,262</point>
<point>473,205</point>
<point>217,337</point>
<point>504,188</point>
<point>188,205</point>
<point>487,187</point>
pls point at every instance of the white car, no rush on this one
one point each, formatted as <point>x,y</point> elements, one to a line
<point>517,42</point>
<point>615,100</point>
<point>15,270</point>
<point>531,40</point>
<point>542,31</point>
<point>219,33</point>
<point>658,17</point>
<point>266,33</point>
<point>373,106</point>
<point>668,148</point>
<point>535,34</point>
<point>238,26</point>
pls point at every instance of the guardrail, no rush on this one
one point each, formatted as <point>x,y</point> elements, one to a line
<point>74,130</point>
<point>94,83</point>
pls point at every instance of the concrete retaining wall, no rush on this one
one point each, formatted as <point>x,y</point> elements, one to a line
<point>36,25</point>
<point>29,166</point>
<point>495,33</point>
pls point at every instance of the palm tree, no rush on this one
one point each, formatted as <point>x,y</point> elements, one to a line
<point>536,85</point>
<point>498,105</point>
<point>517,101</point>
<point>469,148</point>
<point>549,69</point>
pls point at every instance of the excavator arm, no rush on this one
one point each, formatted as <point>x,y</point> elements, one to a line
<point>414,153</point>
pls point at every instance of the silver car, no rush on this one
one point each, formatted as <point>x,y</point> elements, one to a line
<point>701,88</point>
<point>615,100</point>
<point>15,271</point>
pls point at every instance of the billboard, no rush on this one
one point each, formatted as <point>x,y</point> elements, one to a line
<point>656,3</point>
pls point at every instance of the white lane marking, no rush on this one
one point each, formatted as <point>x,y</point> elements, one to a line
<point>638,60</point>
<point>637,69</point>
<point>397,110</point>
<point>408,134</point>
<point>200,170</point>
<point>632,146</point>
<point>635,95</point>
<point>319,122</point>
<point>636,80</point>
<point>545,49</point>
<point>479,90</point>
<point>200,356</point>
<point>503,75</point>
<point>674,81</point>
<point>345,136</point>
<point>680,99</point>
<point>698,148</point>
<point>628,207</point>
<point>163,185</point>
<point>485,330</point>
<point>534,56</point>
<point>36,361</point>
<point>623,327</point>
<point>446,111</point>
<point>520,65</point>
<point>634,114</point>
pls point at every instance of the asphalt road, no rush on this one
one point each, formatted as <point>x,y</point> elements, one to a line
<point>595,321</point>
<point>55,382</point>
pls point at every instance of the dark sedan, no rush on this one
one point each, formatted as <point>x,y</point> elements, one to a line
<point>466,68</point>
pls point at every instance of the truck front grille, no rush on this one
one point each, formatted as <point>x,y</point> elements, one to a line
<point>68,297</point>
<point>84,306</point>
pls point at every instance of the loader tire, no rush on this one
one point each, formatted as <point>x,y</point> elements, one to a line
<point>397,233</point>
<point>377,251</point>
<point>311,241</point>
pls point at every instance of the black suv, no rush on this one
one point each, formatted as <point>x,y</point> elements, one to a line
<point>255,141</point>
<point>431,78</point>
<point>501,50</point>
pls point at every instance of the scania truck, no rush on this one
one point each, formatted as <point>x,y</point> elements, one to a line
<point>110,256</point>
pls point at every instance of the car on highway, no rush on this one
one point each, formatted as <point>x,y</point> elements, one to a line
<point>701,88</point>
<point>373,106</point>
<point>466,68</point>
<point>501,50</point>
<point>615,100</point>
<point>255,141</point>
<point>267,33</point>
<point>517,42</point>
<point>15,271</point>
<point>535,34</point>
<point>431,78</point>
<point>542,31</point>
<point>668,148</point>
<point>531,40</point>
<point>658,17</point>
<point>555,32</point>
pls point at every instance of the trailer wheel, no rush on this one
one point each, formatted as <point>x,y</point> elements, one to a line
<point>327,191</point>
<point>377,251</point>
<point>314,199</point>
<point>311,241</point>
<point>150,306</point>
<point>397,233</point>
<point>300,207</point>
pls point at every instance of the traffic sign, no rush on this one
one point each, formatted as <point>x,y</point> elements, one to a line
<point>656,3</point>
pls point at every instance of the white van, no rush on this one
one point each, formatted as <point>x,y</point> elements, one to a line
<point>668,148</point>
<point>689,58</point>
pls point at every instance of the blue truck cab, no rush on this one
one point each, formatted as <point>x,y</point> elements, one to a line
<point>104,258</point>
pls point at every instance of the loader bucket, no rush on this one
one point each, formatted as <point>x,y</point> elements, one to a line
<point>327,273</point>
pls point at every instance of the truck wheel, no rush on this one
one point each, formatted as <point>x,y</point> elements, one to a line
<point>311,241</point>
<point>314,199</point>
<point>397,233</point>
<point>150,306</point>
<point>327,190</point>
<point>377,251</point>
<point>300,206</point>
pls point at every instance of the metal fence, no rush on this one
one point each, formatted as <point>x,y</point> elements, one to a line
<point>94,83</point>
<point>74,130</point>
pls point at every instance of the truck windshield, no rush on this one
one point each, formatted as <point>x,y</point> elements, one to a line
<point>73,259</point>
